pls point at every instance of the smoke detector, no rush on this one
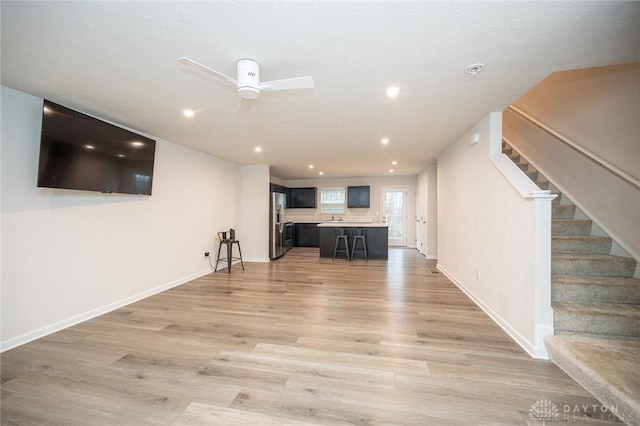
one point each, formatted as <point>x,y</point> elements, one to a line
<point>474,69</point>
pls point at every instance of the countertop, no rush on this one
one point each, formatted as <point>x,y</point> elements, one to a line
<point>340,224</point>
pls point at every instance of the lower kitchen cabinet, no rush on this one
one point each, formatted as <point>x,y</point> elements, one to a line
<point>306,235</point>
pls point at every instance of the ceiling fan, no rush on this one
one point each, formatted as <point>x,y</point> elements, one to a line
<point>248,82</point>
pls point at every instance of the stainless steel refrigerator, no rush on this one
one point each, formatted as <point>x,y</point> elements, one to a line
<point>277,234</point>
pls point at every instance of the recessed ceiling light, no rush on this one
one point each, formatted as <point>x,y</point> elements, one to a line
<point>393,91</point>
<point>257,149</point>
<point>394,162</point>
<point>189,113</point>
<point>390,170</point>
<point>320,173</point>
<point>311,166</point>
<point>90,147</point>
<point>384,141</point>
<point>474,69</point>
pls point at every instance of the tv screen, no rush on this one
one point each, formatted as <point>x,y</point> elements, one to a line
<point>82,152</point>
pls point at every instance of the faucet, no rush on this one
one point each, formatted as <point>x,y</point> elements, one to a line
<point>340,219</point>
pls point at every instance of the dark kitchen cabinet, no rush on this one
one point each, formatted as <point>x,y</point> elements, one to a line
<point>306,235</point>
<point>302,198</point>
<point>278,188</point>
<point>358,197</point>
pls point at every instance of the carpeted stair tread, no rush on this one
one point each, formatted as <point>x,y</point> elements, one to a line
<point>617,309</point>
<point>598,318</point>
<point>556,201</point>
<point>571,226</point>
<point>563,211</point>
<point>592,264</point>
<point>532,175</point>
<point>524,166</point>
<point>542,184</point>
<point>580,244</point>
<point>606,367</point>
<point>595,289</point>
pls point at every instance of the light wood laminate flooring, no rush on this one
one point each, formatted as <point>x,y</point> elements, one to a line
<point>301,340</point>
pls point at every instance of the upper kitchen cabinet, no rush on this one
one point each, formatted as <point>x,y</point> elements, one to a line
<point>358,197</point>
<point>278,188</point>
<point>303,198</point>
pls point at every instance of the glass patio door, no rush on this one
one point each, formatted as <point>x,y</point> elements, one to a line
<point>394,212</point>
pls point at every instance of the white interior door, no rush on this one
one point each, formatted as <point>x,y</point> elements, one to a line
<point>421,221</point>
<point>394,212</point>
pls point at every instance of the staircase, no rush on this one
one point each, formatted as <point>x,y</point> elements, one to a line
<point>596,306</point>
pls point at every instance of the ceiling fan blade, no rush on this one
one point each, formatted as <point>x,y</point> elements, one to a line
<point>288,84</point>
<point>196,65</point>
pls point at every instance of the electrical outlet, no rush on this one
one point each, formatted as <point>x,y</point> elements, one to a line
<point>206,254</point>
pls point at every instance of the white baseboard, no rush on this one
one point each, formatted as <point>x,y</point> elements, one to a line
<point>529,347</point>
<point>257,259</point>
<point>77,319</point>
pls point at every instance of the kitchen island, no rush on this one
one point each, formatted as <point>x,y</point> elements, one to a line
<point>377,238</point>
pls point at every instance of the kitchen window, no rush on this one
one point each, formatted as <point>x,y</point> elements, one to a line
<point>332,200</point>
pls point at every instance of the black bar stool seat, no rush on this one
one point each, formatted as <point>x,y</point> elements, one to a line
<point>228,242</point>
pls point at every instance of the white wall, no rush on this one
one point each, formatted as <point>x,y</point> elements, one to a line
<point>254,213</point>
<point>610,201</point>
<point>372,213</point>
<point>70,255</point>
<point>487,241</point>
<point>597,108</point>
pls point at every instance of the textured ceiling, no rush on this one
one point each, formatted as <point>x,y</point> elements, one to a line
<point>117,61</point>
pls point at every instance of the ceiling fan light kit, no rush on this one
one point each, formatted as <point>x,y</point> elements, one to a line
<point>248,79</point>
<point>248,83</point>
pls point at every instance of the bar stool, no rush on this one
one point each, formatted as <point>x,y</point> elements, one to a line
<point>229,242</point>
<point>341,236</point>
<point>359,234</point>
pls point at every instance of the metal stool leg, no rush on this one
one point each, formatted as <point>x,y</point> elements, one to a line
<point>229,255</point>
<point>364,242</point>
<point>360,236</point>
<point>218,257</point>
<point>240,253</point>
<point>337,249</point>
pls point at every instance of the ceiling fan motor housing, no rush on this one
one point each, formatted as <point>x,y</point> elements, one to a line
<point>248,79</point>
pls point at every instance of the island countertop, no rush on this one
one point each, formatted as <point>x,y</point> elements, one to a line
<point>340,224</point>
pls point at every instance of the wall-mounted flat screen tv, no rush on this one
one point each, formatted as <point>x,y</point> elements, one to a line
<point>81,152</point>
